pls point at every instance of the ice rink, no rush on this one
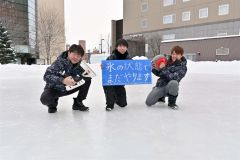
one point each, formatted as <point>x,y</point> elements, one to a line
<point>206,126</point>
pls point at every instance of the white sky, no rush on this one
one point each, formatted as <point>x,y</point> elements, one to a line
<point>89,19</point>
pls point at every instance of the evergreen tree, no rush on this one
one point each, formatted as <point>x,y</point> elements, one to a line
<point>7,54</point>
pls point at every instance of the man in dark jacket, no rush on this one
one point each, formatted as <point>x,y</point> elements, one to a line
<point>65,71</point>
<point>117,94</point>
<point>170,76</point>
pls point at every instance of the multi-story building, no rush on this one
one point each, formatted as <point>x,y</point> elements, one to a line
<point>19,17</point>
<point>212,23</point>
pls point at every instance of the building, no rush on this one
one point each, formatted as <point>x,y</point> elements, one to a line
<point>117,31</point>
<point>53,8</point>
<point>86,56</point>
<point>83,44</point>
<point>19,16</point>
<point>214,24</point>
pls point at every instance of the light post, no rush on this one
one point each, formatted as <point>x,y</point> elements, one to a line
<point>101,45</point>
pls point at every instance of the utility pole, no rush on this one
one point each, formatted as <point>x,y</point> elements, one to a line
<point>101,45</point>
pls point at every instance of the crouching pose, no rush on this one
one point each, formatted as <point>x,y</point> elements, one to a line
<point>66,72</point>
<point>170,76</point>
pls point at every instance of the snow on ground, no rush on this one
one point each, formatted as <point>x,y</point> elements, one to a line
<point>206,127</point>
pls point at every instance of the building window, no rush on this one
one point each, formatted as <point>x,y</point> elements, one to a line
<point>168,2</point>
<point>169,19</point>
<point>223,9</point>
<point>144,7</point>
<point>144,23</point>
<point>168,37</point>
<point>222,51</point>
<point>222,34</point>
<point>185,1</point>
<point>203,13</point>
<point>186,16</point>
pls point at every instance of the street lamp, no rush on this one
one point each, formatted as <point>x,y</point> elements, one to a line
<point>101,45</point>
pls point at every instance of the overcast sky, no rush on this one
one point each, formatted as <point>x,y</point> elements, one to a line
<point>89,19</point>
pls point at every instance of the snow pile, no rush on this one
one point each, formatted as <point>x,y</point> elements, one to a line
<point>139,58</point>
<point>220,67</point>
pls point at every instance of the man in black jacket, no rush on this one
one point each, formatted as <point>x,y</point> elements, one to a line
<point>65,71</point>
<point>170,76</point>
<point>117,94</point>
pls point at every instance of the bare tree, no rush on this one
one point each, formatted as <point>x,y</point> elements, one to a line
<point>154,43</point>
<point>50,31</point>
<point>108,43</point>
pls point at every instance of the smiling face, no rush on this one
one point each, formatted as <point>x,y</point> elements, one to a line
<point>174,56</point>
<point>121,49</point>
<point>74,57</point>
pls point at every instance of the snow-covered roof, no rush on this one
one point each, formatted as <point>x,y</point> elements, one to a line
<point>200,38</point>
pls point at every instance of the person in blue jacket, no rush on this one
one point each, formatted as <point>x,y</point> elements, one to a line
<point>170,77</point>
<point>65,71</point>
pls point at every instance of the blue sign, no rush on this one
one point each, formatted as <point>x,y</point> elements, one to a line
<point>126,72</point>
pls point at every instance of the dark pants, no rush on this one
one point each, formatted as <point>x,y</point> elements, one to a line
<point>115,94</point>
<point>50,96</point>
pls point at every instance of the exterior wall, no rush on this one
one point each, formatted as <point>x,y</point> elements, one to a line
<point>133,15</point>
<point>117,32</point>
<point>83,44</point>
<point>19,16</point>
<point>205,50</point>
<point>209,30</point>
<point>212,26</point>
<point>136,48</point>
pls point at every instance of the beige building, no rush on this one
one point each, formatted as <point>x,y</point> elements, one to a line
<point>170,20</point>
<point>57,42</point>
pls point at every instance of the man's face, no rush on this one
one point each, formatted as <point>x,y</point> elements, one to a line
<point>74,57</point>
<point>176,56</point>
<point>122,49</point>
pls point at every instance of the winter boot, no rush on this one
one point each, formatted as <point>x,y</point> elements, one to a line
<point>161,100</point>
<point>172,102</point>
<point>78,105</point>
<point>52,109</point>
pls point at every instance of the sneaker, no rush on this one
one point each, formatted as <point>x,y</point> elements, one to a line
<point>109,108</point>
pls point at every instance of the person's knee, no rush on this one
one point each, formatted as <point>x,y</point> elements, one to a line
<point>46,100</point>
<point>149,102</point>
<point>173,88</point>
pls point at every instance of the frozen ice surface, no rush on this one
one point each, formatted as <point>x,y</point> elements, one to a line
<point>206,127</point>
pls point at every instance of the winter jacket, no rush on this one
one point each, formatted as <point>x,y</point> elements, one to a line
<point>60,69</point>
<point>173,71</point>
<point>118,56</point>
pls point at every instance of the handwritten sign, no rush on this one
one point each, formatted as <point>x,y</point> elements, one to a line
<point>126,72</point>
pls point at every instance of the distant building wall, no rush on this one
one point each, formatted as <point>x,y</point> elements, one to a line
<point>208,49</point>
